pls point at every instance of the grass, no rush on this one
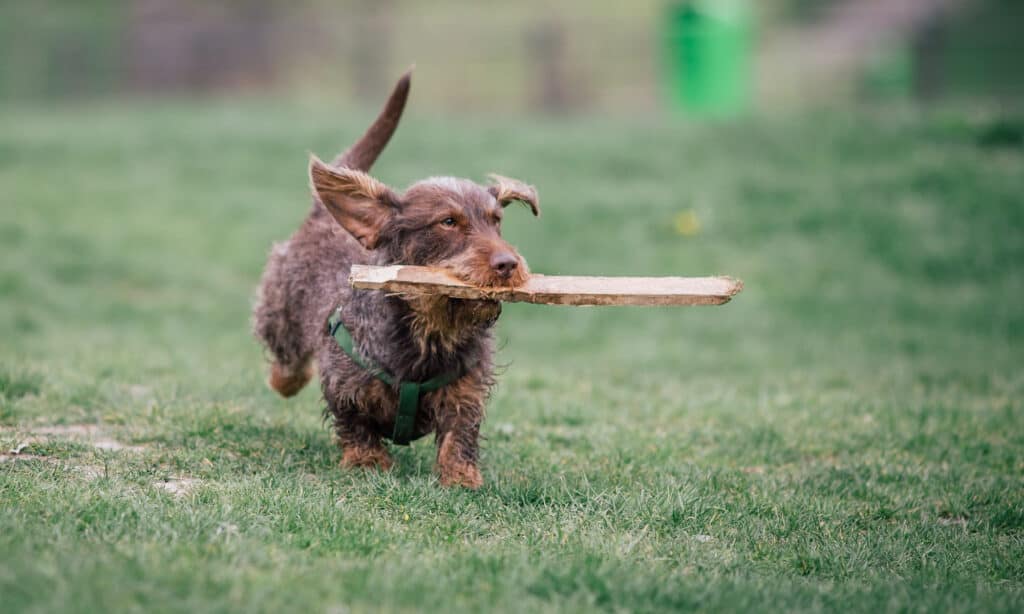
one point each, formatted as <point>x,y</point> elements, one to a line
<point>844,435</point>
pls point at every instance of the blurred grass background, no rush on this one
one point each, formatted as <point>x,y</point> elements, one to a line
<point>844,435</point>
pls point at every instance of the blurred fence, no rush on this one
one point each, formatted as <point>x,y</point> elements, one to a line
<point>468,56</point>
<point>597,55</point>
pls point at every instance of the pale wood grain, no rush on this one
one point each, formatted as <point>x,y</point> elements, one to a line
<point>553,289</point>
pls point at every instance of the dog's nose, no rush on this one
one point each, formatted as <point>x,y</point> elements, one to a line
<point>504,263</point>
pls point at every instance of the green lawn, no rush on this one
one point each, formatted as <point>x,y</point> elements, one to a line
<point>845,435</point>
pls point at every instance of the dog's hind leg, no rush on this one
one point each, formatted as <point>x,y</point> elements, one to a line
<point>279,330</point>
<point>288,380</point>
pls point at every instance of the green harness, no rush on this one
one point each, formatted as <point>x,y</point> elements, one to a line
<point>408,392</point>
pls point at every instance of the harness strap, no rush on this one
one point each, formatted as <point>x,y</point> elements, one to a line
<point>408,392</point>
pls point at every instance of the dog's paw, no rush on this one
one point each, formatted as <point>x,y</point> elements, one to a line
<point>462,474</point>
<point>366,458</point>
<point>454,468</point>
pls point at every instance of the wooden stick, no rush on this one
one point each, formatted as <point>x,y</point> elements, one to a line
<point>552,289</point>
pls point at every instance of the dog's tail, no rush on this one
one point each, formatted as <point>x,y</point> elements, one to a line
<point>364,152</point>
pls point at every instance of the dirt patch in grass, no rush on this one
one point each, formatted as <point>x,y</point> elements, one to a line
<point>86,471</point>
<point>953,521</point>
<point>88,433</point>
<point>178,486</point>
<point>10,457</point>
<point>91,434</point>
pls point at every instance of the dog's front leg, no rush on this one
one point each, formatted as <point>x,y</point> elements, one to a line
<point>361,444</point>
<point>457,417</point>
<point>361,447</point>
<point>458,451</point>
<point>458,410</point>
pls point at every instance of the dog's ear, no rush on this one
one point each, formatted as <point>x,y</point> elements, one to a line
<point>360,203</point>
<point>506,190</point>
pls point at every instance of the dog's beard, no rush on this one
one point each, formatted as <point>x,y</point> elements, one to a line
<point>479,311</point>
<point>445,312</point>
<point>449,321</point>
<point>452,321</point>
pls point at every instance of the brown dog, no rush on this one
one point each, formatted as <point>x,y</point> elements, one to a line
<point>391,366</point>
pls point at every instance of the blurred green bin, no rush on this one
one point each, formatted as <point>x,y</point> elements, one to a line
<point>707,48</point>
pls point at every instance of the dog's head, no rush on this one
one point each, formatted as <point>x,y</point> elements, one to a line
<point>444,222</point>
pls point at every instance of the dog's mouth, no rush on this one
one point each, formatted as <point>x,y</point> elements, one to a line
<point>476,268</point>
<point>488,279</point>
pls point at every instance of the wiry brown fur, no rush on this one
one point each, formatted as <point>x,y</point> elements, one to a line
<point>444,222</point>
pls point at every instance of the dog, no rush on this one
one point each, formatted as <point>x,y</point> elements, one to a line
<point>392,367</point>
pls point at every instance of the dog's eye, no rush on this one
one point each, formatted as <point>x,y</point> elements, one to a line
<point>448,222</point>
